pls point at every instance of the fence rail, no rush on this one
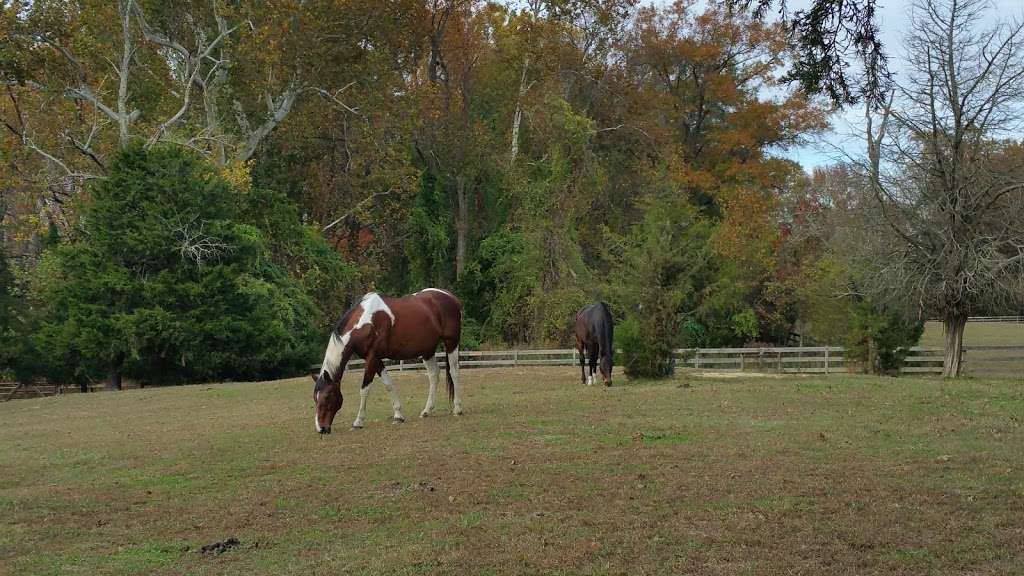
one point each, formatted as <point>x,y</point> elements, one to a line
<point>805,359</point>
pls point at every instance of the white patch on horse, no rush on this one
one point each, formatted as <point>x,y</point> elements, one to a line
<point>332,358</point>
<point>370,304</point>
<point>361,415</point>
<point>396,404</point>
<point>430,362</point>
<point>435,290</point>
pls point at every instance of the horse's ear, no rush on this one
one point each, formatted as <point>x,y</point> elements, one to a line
<point>313,375</point>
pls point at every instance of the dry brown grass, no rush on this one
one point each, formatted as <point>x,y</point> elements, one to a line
<point>838,475</point>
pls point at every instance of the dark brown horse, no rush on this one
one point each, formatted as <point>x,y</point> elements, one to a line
<point>593,329</point>
<point>380,328</point>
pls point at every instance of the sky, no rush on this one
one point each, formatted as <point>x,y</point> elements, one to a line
<point>893,19</point>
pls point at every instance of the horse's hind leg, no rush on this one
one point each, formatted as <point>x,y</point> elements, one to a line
<point>430,362</point>
<point>453,375</point>
<point>583,362</point>
<point>396,404</point>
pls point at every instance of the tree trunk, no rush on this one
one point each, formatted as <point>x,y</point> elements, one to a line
<point>115,373</point>
<point>115,380</point>
<point>953,326</point>
<point>461,227</point>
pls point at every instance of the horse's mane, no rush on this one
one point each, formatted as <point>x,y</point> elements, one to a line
<point>340,325</point>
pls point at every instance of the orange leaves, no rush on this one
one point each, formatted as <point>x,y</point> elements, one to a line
<point>748,233</point>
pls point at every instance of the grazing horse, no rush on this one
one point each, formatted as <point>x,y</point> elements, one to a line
<point>593,329</point>
<point>380,328</point>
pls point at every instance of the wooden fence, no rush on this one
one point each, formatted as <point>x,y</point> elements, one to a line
<point>978,360</point>
<point>804,359</point>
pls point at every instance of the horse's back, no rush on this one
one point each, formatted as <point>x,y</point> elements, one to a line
<point>447,309</point>
<point>593,322</point>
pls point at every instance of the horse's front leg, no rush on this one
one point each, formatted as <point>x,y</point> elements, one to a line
<point>368,374</point>
<point>396,405</point>
<point>593,366</point>
<point>430,362</point>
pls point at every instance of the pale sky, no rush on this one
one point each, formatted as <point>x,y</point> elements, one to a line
<point>893,20</point>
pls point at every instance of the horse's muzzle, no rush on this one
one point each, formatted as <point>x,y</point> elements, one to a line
<point>325,429</point>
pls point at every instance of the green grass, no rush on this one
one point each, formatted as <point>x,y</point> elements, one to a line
<point>978,334</point>
<point>985,362</point>
<point>808,475</point>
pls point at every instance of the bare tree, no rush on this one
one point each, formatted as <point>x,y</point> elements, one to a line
<point>194,49</point>
<point>941,169</point>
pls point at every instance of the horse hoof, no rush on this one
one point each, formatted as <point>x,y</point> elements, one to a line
<point>398,420</point>
<point>357,426</point>
<point>424,414</point>
<point>457,412</point>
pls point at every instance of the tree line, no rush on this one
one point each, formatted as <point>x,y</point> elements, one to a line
<point>193,190</point>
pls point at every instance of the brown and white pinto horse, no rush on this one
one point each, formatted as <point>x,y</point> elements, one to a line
<point>380,328</point>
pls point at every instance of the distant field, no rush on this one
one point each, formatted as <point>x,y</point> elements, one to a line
<point>978,334</point>
<point>795,475</point>
<point>985,363</point>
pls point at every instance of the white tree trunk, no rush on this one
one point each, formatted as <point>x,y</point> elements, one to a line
<point>461,227</point>
<point>518,116</point>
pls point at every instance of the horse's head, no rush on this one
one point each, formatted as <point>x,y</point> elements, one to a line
<point>327,398</point>
<point>606,370</point>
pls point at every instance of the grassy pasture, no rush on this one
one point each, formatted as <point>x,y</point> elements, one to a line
<point>795,475</point>
<point>985,362</point>
<point>978,334</point>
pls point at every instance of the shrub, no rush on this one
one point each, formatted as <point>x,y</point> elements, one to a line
<point>658,274</point>
<point>170,283</point>
<point>644,353</point>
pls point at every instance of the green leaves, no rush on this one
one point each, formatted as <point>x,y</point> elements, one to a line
<point>170,284</point>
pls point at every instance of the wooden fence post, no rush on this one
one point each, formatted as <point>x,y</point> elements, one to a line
<point>696,358</point>
<point>515,357</point>
<point>826,360</point>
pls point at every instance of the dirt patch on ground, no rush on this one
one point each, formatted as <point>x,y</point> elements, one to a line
<point>398,488</point>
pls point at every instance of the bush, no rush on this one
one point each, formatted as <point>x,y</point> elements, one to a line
<point>644,354</point>
<point>657,276</point>
<point>876,335</point>
<point>18,358</point>
<point>880,338</point>
<point>170,283</point>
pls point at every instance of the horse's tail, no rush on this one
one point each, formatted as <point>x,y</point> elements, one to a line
<point>451,383</point>
<point>606,338</point>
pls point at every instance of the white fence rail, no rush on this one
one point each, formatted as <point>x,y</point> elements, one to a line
<point>804,359</point>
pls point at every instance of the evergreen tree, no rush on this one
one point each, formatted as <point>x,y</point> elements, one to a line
<point>167,284</point>
<point>661,269</point>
